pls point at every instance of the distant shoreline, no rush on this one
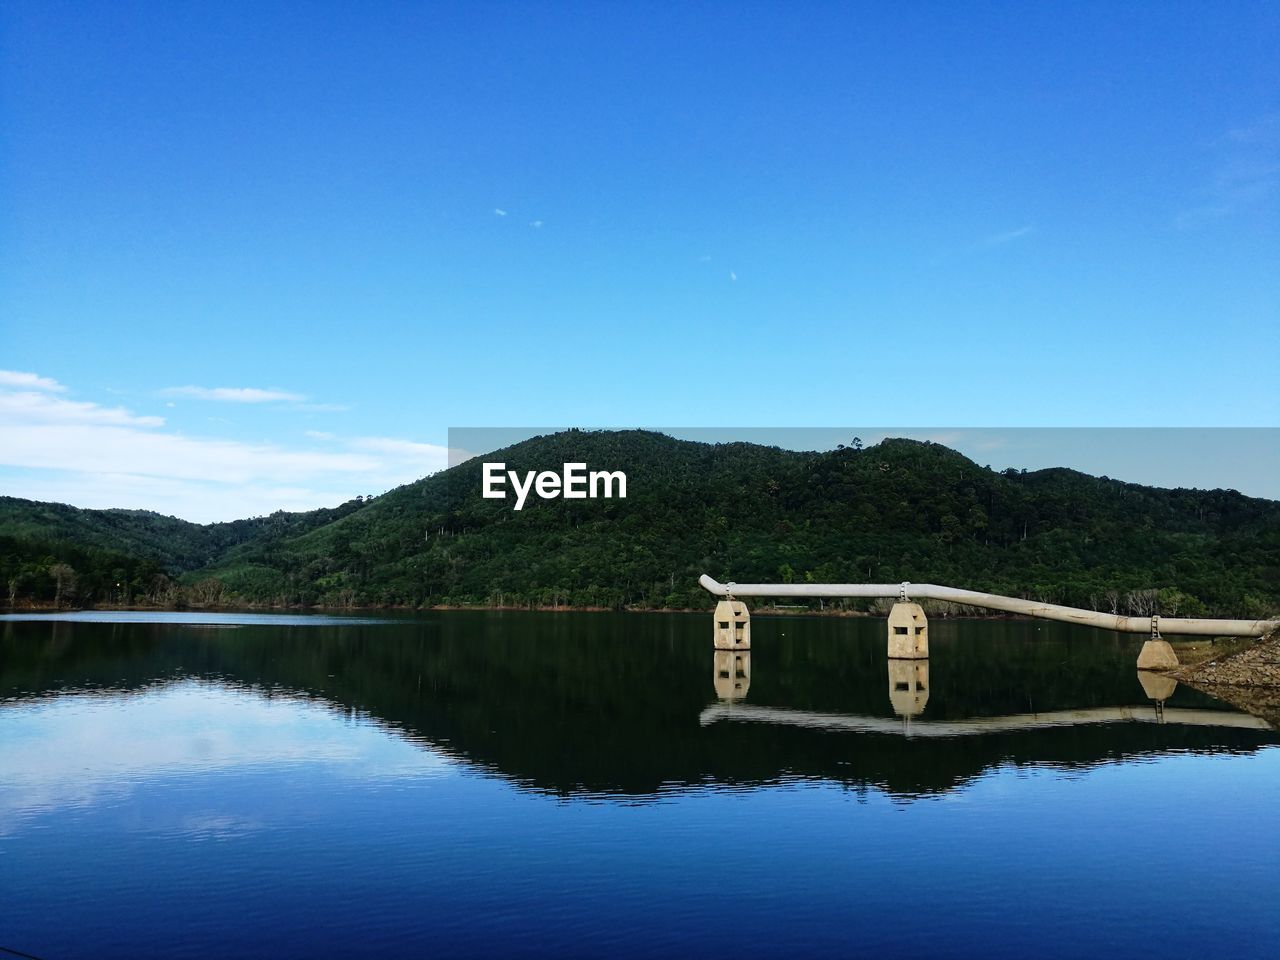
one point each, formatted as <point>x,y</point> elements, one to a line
<point>374,608</point>
<point>761,611</point>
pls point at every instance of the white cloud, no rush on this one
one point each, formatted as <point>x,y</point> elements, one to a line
<point>1246,174</point>
<point>1265,129</point>
<point>23,406</point>
<point>428,457</point>
<point>404,447</point>
<point>321,407</point>
<point>29,381</point>
<point>1008,236</point>
<point>235,394</point>
<point>498,211</point>
<point>98,448</point>
<point>733,276</point>
<point>89,455</point>
<point>196,500</point>
<point>319,434</point>
<point>535,223</point>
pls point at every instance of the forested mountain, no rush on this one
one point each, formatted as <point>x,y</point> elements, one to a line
<point>52,551</point>
<point>901,510</point>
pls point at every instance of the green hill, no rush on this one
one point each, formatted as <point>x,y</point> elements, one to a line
<point>121,555</point>
<point>901,510</point>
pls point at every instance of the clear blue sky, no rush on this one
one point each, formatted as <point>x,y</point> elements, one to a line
<point>395,218</point>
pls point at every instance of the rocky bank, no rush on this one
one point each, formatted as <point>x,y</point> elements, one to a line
<point>1248,679</point>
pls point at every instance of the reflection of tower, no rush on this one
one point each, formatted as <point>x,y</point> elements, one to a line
<point>908,632</point>
<point>731,673</point>
<point>1158,688</point>
<point>908,687</point>
<point>732,629</point>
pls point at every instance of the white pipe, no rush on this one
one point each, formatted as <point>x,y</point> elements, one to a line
<point>992,601</point>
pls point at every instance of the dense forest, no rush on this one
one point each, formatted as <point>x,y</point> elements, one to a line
<point>901,510</point>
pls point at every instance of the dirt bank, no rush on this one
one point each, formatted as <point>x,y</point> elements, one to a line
<point>1257,665</point>
<point>1247,678</point>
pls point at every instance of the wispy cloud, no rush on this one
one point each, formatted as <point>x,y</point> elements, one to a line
<point>426,457</point>
<point>321,407</point>
<point>499,212</point>
<point>97,456</point>
<point>29,381</point>
<point>535,223</point>
<point>1246,173</point>
<point>1008,236</point>
<point>733,276</point>
<point>1263,130</point>
<point>235,394</point>
<point>46,411</point>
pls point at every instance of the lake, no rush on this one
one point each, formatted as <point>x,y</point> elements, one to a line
<point>560,785</point>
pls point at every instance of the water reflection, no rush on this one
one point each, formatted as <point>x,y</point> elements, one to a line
<point>615,705</point>
<point>1158,689</point>
<point>908,687</point>
<point>731,672</point>
<point>541,785</point>
<point>85,748</point>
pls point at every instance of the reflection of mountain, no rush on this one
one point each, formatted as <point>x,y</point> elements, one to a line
<point>611,703</point>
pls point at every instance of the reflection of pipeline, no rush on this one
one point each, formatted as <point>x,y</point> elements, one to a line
<point>992,601</point>
<point>979,725</point>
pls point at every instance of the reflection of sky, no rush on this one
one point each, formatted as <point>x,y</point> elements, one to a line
<point>199,821</point>
<point>81,750</point>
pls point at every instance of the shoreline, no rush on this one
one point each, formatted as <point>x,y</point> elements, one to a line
<point>763,611</point>
<point>479,607</point>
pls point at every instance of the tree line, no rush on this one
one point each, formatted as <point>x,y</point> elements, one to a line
<point>900,510</point>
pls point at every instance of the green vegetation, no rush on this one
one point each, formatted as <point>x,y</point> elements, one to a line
<point>901,510</point>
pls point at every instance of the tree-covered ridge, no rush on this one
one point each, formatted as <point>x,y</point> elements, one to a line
<point>901,510</point>
<point>121,556</point>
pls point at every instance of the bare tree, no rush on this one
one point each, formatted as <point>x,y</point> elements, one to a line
<point>160,588</point>
<point>208,592</point>
<point>64,576</point>
<point>1141,603</point>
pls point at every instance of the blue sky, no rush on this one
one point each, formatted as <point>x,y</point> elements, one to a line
<point>267,254</point>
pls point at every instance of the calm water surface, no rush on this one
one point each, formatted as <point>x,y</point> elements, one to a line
<point>485,784</point>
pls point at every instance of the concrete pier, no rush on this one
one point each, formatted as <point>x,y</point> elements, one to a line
<point>1156,654</point>
<point>732,626</point>
<point>908,632</point>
